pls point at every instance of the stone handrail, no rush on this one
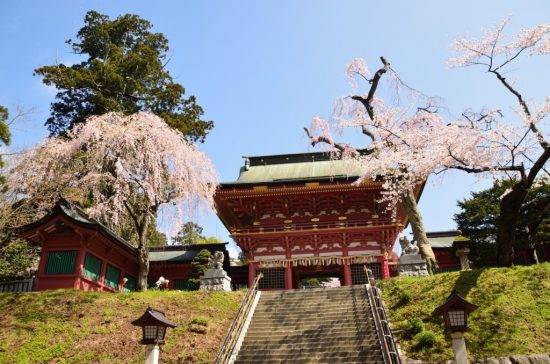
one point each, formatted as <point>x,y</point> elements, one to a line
<point>224,355</point>
<point>387,343</point>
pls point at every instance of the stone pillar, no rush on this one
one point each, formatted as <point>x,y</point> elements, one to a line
<point>347,273</point>
<point>459,347</point>
<point>251,274</point>
<point>462,254</point>
<point>152,352</point>
<point>288,276</point>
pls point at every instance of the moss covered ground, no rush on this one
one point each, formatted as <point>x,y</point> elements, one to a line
<point>513,315</point>
<point>69,326</point>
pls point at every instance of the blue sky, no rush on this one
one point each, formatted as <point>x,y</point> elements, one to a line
<point>263,69</point>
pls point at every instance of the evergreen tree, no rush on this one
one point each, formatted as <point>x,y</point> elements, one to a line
<point>5,137</point>
<point>479,218</point>
<point>198,267</point>
<point>124,71</point>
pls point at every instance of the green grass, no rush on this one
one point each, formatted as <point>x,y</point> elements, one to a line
<point>513,315</point>
<point>68,326</point>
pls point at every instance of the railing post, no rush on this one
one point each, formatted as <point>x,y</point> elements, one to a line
<point>387,343</point>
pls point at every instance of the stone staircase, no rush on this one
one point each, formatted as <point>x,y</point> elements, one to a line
<point>323,325</point>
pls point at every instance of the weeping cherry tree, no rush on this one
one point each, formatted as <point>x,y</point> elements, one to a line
<point>129,166</point>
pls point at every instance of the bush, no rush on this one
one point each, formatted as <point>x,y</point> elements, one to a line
<point>424,340</point>
<point>404,298</point>
<point>416,325</point>
<point>200,320</point>
<point>199,325</point>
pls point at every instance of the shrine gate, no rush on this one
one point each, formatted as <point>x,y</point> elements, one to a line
<point>297,216</point>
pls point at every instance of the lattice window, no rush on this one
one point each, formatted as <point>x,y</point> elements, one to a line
<point>358,275</point>
<point>62,262</point>
<point>272,279</point>
<point>131,283</point>
<point>92,267</point>
<point>112,276</point>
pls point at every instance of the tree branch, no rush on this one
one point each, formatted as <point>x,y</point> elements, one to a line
<point>524,106</point>
<point>367,102</point>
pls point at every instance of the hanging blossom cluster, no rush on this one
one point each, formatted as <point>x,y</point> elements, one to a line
<point>487,50</point>
<point>116,160</point>
<point>407,144</point>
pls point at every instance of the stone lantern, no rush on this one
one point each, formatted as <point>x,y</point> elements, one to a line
<point>462,245</point>
<point>455,312</point>
<point>154,324</point>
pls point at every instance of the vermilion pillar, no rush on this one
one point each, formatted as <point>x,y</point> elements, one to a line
<point>79,266</point>
<point>288,276</point>
<point>251,274</point>
<point>347,273</point>
<point>385,267</point>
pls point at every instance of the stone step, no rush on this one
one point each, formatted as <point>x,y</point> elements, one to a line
<point>329,315</point>
<point>318,294</point>
<point>311,361</point>
<point>271,329</point>
<point>312,303</point>
<point>317,337</point>
<point>312,341</point>
<point>333,312</point>
<point>312,326</point>
<point>367,355</point>
<point>309,309</point>
<point>316,324</point>
<point>258,333</point>
<point>305,296</point>
<point>317,346</point>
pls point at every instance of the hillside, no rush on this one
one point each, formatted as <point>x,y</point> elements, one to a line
<point>513,315</point>
<point>68,326</point>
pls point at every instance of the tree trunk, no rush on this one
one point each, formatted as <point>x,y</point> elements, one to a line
<point>510,206</point>
<point>143,256</point>
<point>419,233</point>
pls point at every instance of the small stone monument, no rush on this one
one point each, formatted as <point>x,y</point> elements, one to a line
<point>411,263</point>
<point>215,278</point>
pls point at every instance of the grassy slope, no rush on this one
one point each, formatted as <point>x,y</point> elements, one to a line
<point>513,315</point>
<point>67,326</point>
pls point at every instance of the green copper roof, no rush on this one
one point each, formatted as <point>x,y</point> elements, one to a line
<point>295,167</point>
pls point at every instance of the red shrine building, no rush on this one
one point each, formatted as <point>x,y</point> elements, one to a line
<point>79,252</point>
<point>299,216</point>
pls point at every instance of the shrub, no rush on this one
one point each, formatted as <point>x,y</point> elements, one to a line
<point>199,325</point>
<point>416,325</point>
<point>404,298</point>
<point>200,320</point>
<point>424,340</point>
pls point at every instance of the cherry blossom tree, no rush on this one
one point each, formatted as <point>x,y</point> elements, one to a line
<point>130,166</point>
<point>407,144</point>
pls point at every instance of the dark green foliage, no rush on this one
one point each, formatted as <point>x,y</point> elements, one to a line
<point>191,233</point>
<point>156,238</point>
<point>242,258</point>
<point>123,71</point>
<point>16,259</point>
<point>404,298</point>
<point>417,325</point>
<point>200,263</point>
<point>188,234</point>
<point>424,340</point>
<point>5,137</point>
<point>198,267</point>
<point>478,218</point>
<point>200,320</point>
